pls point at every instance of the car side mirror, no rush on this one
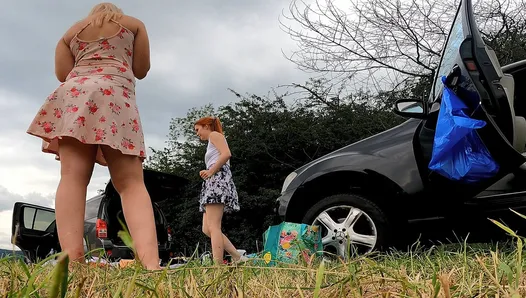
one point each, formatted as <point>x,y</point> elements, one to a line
<point>411,108</point>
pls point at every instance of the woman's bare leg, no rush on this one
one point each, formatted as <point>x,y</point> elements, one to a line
<point>229,247</point>
<point>76,167</point>
<point>214,215</point>
<point>127,176</point>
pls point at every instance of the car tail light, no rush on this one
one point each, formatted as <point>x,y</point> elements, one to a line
<point>470,65</point>
<point>101,229</point>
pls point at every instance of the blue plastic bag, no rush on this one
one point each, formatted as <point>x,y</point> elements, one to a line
<point>458,151</point>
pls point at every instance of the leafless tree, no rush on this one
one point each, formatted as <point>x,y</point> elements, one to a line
<point>382,44</point>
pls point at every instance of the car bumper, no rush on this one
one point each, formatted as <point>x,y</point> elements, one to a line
<point>124,252</point>
<point>282,204</point>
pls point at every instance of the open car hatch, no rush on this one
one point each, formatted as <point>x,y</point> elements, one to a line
<point>161,186</point>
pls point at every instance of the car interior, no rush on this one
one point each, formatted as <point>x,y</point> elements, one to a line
<point>518,110</point>
<point>519,122</point>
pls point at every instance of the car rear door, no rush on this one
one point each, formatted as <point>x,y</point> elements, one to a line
<point>473,72</point>
<point>34,230</point>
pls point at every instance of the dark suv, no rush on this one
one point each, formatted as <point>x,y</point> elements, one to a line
<point>35,234</point>
<point>372,193</point>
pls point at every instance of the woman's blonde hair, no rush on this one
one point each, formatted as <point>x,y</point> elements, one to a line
<point>105,12</point>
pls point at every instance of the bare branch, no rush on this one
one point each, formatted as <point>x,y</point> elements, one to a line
<point>381,43</point>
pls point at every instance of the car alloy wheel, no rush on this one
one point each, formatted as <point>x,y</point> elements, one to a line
<point>346,228</point>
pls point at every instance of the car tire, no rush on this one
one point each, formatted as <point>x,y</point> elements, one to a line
<point>341,201</point>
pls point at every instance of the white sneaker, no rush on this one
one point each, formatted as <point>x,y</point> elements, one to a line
<point>242,259</point>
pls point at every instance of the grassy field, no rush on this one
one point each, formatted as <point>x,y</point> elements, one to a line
<point>441,271</point>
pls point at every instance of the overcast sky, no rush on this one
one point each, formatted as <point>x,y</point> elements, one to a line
<point>198,48</point>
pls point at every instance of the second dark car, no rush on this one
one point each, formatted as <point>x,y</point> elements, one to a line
<point>34,229</point>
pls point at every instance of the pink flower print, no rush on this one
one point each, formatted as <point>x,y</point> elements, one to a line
<point>111,56</point>
<point>74,92</point>
<point>107,91</point>
<point>52,96</point>
<point>82,45</point>
<point>83,139</point>
<point>121,69</point>
<point>107,77</point>
<point>287,238</point>
<point>97,70</point>
<point>120,35</point>
<point>42,112</point>
<point>141,154</point>
<point>80,121</point>
<point>102,119</point>
<point>115,108</point>
<point>126,93</point>
<point>96,56</point>
<point>71,108</point>
<point>128,52</point>
<point>127,144</point>
<point>47,126</point>
<point>105,45</point>
<point>125,64</point>
<point>82,80</point>
<point>113,128</point>
<point>135,125</point>
<point>58,113</point>
<point>72,75</point>
<point>127,104</point>
<point>92,106</point>
<point>100,134</point>
<point>70,130</point>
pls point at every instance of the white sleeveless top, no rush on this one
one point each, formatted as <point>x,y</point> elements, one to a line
<point>212,155</point>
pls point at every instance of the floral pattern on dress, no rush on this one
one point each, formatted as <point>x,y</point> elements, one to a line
<point>219,189</point>
<point>96,104</point>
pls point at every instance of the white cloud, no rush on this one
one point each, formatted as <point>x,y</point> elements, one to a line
<point>5,229</point>
<point>243,51</point>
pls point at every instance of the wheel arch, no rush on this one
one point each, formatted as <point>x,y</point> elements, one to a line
<point>372,185</point>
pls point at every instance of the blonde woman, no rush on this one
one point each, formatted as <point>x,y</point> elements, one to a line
<point>93,117</point>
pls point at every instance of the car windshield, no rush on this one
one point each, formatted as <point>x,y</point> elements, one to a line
<point>449,54</point>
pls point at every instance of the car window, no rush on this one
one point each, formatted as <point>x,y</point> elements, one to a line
<point>29,215</point>
<point>38,219</point>
<point>449,55</point>
<point>92,208</point>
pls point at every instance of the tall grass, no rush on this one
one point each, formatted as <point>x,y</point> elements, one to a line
<point>442,271</point>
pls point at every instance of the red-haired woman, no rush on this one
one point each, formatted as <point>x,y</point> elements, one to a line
<point>218,194</point>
